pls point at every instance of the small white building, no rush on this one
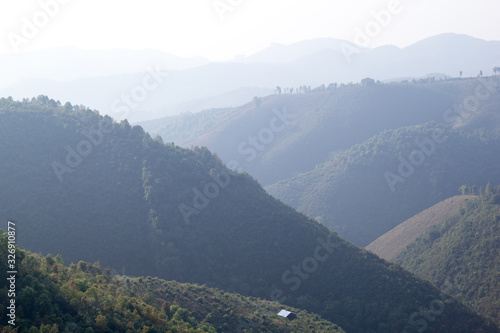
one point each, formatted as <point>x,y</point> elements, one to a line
<point>287,314</point>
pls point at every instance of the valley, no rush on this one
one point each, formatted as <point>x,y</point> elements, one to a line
<point>242,240</point>
<point>249,167</point>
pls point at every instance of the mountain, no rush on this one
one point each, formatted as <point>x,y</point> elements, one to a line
<point>152,92</point>
<point>307,63</point>
<point>395,241</point>
<point>465,249</point>
<point>87,298</point>
<point>279,53</point>
<point>392,176</point>
<point>70,63</point>
<point>89,189</point>
<point>316,124</point>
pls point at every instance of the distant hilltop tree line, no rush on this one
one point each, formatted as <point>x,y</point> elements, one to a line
<point>367,81</point>
<point>496,70</point>
<point>307,89</point>
<point>490,192</point>
<point>45,101</point>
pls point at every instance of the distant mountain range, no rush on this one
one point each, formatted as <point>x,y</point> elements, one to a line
<point>70,63</point>
<point>100,79</point>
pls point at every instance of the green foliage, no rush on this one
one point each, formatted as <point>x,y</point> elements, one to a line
<point>60,304</point>
<point>325,121</point>
<point>184,128</point>
<point>120,206</point>
<point>334,190</point>
<point>464,249</point>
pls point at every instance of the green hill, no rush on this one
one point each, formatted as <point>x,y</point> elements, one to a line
<point>87,298</point>
<point>395,241</point>
<point>286,134</point>
<point>369,189</point>
<point>92,190</point>
<point>464,249</point>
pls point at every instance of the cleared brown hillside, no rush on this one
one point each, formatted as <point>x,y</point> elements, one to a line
<point>393,242</point>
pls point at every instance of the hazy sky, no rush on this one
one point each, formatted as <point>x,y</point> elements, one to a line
<point>238,27</point>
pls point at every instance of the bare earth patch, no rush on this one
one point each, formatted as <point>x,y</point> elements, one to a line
<point>393,242</point>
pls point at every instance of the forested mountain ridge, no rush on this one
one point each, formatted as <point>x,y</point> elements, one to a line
<point>90,189</point>
<point>464,248</point>
<point>265,136</point>
<point>394,175</point>
<point>87,298</point>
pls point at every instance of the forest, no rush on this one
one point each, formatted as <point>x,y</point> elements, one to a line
<point>120,206</point>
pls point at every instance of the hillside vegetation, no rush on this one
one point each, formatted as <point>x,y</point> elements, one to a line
<point>87,298</point>
<point>463,249</point>
<point>278,136</point>
<point>396,240</point>
<point>92,190</point>
<point>369,189</point>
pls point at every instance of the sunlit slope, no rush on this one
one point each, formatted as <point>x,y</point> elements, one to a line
<point>463,249</point>
<point>396,240</point>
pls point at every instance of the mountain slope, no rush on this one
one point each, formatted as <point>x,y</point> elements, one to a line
<point>379,176</point>
<point>464,248</point>
<point>85,296</point>
<point>265,139</point>
<point>396,240</point>
<point>93,190</point>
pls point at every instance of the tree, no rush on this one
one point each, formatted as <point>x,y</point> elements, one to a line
<point>496,70</point>
<point>463,189</point>
<point>45,328</point>
<point>367,81</point>
<point>278,89</point>
<point>50,260</point>
<point>59,259</point>
<point>82,266</point>
<point>460,73</point>
<point>68,106</point>
<point>166,308</point>
<point>101,323</point>
<point>489,190</point>
<point>480,74</point>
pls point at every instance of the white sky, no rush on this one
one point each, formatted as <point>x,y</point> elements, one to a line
<point>193,27</point>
